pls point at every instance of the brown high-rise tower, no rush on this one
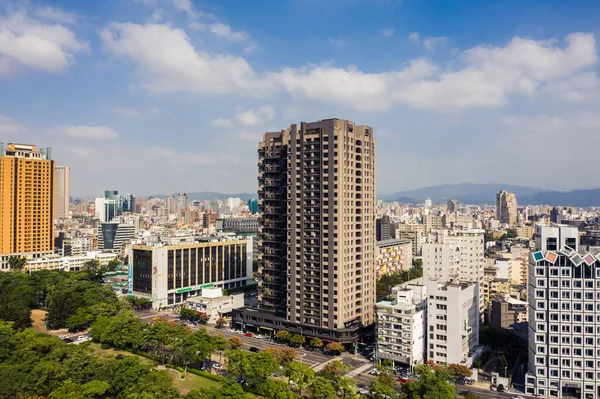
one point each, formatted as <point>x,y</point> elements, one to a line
<point>317,203</point>
<point>26,199</point>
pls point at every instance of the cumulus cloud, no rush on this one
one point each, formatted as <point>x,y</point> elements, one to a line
<point>27,42</point>
<point>220,122</point>
<point>414,37</point>
<point>220,29</point>
<point>87,132</point>
<point>258,116</point>
<point>387,32</point>
<point>12,127</point>
<point>430,43</point>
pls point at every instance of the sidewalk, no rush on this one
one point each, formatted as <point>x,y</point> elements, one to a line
<point>360,369</point>
<point>320,366</point>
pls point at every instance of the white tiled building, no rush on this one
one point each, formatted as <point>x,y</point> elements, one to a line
<point>401,327</point>
<point>452,322</point>
<point>564,315</point>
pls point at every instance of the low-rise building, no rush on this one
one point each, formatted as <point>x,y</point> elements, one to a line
<point>393,256</point>
<point>401,327</point>
<point>214,304</point>
<point>68,263</point>
<point>510,314</point>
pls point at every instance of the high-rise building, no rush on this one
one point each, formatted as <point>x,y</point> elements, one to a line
<point>428,203</point>
<point>385,229</point>
<point>253,206</point>
<point>105,209</point>
<point>182,202</point>
<point>113,235</point>
<point>564,322</point>
<point>452,206</point>
<point>317,230</point>
<point>26,199</point>
<point>170,204</point>
<point>506,208</point>
<point>62,192</point>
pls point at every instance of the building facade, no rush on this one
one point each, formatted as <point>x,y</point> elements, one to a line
<point>237,224</point>
<point>564,315</point>
<point>385,228</point>
<point>112,236</point>
<point>26,199</point>
<point>170,274</point>
<point>317,229</point>
<point>506,208</point>
<point>62,192</point>
<point>393,256</point>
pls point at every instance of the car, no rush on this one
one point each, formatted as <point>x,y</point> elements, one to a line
<point>247,335</point>
<point>82,338</point>
<point>517,397</point>
<point>217,366</point>
<point>68,340</point>
<point>500,388</point>
<point>403,380</point>
<point>254,349</point>
<point>233,331</point>
<point>258,336</point>
<point>463,393</point>
<point>363,391</point>
<point>374,372</point>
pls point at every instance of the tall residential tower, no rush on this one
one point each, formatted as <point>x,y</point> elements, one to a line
<point>317,229</point>
<point>62,192</point>
<point>26,199</point>
<point>506,208</point>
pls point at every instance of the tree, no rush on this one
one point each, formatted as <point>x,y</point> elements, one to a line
<point>234,342</point>
<point>276,389</point>
<point>283,335</point>
<point>321,388</point>
<point>93,270</point>
<point>346,387</point>
<point>502,366</point>
<point>271,351</point>
<point>285,356</point>
<point>335,347</point>
<point>316,343</point>
<point>204,318</point>
<point>460,370</point>
<point>258,368</point>
<point>300,373</point>
<point>417,263</point>
<point>113,265</point>
<point>297,339</point>
<point>221,321</point>
<point>429,384</point>
<point>17,263</point>
<point>334,369</point>
<point>471,395</point>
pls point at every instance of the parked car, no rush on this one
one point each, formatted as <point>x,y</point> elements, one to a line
<point>217,366</point>
<point>403,380</point>
<point>254,349</point>
<point>82,338</point>
<point>247,335</point>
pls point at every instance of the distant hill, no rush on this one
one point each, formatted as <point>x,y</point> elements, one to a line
<point>211,196</point>
<point>466,193</point>
<point>578,198</point>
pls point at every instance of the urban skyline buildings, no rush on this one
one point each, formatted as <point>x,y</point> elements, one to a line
<point>506,208</point>
<point>26,199</point>
<point>62,191</point>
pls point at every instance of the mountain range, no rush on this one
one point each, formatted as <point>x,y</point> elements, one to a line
<point>470,193</point>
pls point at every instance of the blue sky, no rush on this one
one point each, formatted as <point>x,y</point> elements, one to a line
<point>161,96</point>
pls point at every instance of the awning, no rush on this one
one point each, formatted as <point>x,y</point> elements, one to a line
<point>266,328</point>
<point>250,325</point>
<point>239,322</point>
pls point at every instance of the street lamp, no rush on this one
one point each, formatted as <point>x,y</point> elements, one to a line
<point>301,357</point>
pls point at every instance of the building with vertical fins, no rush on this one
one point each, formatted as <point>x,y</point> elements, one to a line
<point>26,199</point>
<point>62,192</point>
<point>316,197</point>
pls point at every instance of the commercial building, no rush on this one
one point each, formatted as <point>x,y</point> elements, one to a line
<point>452,206</point>
<point>214,304</point>
<point>26,199</point>
<point>112,236</point>
<point>105,209</point>
<point>452,322</point>
<point>170,274</point>
<point>237,224</point>
<point>401,327</point>
<point>506,208</point>
<point>393,256</point>
<point>385,228</point>
<point>317,230</point>
<point>62,192</point>
<point>253,206</point>
<point>564,315</point>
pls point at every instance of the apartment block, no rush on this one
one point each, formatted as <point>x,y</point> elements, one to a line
<point>170,274</point>
<point>452,322</point>
<point>26,199</point>
<point>317,254</point>
<point>401,327</point>
<point>506,208</point>
<point>393,256</point>
<point>564,315</point>
<point>62,192</point>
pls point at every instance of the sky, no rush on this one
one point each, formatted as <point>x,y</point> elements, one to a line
<point>163,96</point>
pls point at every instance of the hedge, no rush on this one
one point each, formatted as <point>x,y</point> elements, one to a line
<point>208,375</point>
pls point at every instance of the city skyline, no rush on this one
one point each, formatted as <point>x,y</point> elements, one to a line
<point>441,99</point>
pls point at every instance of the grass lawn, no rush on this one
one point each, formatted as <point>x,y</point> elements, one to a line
<point>108,353</point>
<point>192,381</point>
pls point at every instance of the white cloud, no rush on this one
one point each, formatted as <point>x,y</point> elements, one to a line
<point>387,32</point>
<point>56,14</point>
<point>220,122</point>
<point>128,112</point>
<point>414,37</point>
<point>251,117</point>
<point>220,29</point>
<point>337,42</point>
<point>580,88</point>
<point>430,43</point>
<point>87,132</point>
<point>27,42</point>
<point>168,62</point>
<point>9,126</point>
<point>185,5</point>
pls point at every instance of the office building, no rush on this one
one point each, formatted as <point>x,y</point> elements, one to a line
<point>105,209</point>
<point>385,229</point>
<point>62,192</point>
<point>564,321</point>
<point>26,199</point>
<point>317,230</point>
<point>452,206</point>
<point>506,208</point>
<point>428,203</point>
<point>170,204</point>
<point>170,274</point>
<point>401,327</point>
<point>237,224</point>
<point>182,202</point>
<point>112,236</point>
<point>452,322</point>
<point>253,206</point>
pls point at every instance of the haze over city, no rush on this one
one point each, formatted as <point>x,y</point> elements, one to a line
<point>160,96</point>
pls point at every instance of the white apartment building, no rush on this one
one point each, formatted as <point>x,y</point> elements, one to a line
<point>68,263</point>
<point>62,191</point>
<point>214,304</point>
<point>401,327</point>
<point>455,256</point>
<point>564,315</point>
<point>452,322</point>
